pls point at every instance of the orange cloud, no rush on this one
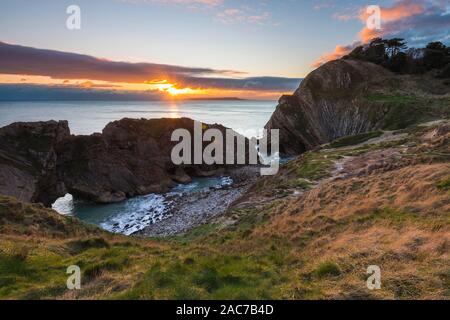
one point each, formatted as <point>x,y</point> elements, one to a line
<point>367,34</point>
<point>338,52</point>
<point>401,10</point>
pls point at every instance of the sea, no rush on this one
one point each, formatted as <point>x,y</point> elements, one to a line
<point>86,117</point>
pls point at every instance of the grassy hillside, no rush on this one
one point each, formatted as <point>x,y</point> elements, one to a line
<point>308,233</point>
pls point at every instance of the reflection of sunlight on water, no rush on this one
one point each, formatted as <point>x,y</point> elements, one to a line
<point>173,110</point>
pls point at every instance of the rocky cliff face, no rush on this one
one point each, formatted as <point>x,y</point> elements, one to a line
<point>39,162</point>
<point>28,160</point>
<point>347,97</point>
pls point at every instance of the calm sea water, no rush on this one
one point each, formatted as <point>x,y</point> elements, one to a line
<point>86,117</point>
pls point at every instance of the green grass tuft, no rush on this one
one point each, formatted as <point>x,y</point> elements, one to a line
<point>302,183</point>
<point>79,246</point>
<point>444,185</point>
<point>327,269</point>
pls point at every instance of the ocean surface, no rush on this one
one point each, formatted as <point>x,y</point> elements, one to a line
<point>86,117</point>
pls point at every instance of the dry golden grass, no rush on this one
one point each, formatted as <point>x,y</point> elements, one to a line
<point>398,220</point>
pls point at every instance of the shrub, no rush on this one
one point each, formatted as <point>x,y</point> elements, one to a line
<point>79,246</point>
<point>327,269</point>
<point>444,185</point>
<point>208,278</point>
<point>95,270</point>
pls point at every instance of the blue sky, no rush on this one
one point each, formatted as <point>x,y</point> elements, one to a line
<point>290,36</point>
<point>277,38</point>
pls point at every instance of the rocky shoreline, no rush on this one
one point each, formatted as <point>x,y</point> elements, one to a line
<point>187,211</point>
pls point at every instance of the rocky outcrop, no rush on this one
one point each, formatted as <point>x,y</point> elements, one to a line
<point>28,160</point>
<point>326,106</point>
<point>39,162</point>
<point>335,101</point>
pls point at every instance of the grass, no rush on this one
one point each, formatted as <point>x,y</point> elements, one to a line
<point>327,269</point>
<point>79,246</point>
<point>403,110</point>
<point>444,185</point>
<point>111,264</point>
<point>393,215</point>
<point>313,166</point>
<point>201,264</point>
<point>196,233</point>
<point>398,99</point>
<point>303,184</point>
<point>353,140</point>
<point>407,110</point>
<point>217,275</point>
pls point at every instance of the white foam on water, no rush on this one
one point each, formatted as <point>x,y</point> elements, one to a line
<point>138,213</point>
<point>201,185</point>
<point>64,205</point>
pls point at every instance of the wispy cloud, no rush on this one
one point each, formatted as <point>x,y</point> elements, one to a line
<point>243,15</point>
<point>343,16</point>
<point>34,92</point>
<point>208,3</point>
<point>324,4</point>
<point>223,10</point>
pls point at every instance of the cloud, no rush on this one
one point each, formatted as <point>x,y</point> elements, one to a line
<point>15,59</point>
<point>243,15</point>
<point>20,60</point>
<point>253,83</point>
<point>338,52</point>
<point>33,92</point>
<point>208,3</point>
<point>259,18</point>
<point>417,22</point>
<point>411,20</point>
<point>400,10</point>
<point>222,11</point>
<point>394,19</point>
<point>324,5</point>
<point>230,16</point>
<point>343,16</point>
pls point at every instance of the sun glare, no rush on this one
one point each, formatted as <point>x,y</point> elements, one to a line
<point>172,90</point>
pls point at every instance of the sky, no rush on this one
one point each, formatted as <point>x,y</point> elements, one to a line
<point>193,48</point>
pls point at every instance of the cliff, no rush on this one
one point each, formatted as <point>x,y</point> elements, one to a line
<point>28,160</point>
<point>41,161</point>
<point>348,97</point>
